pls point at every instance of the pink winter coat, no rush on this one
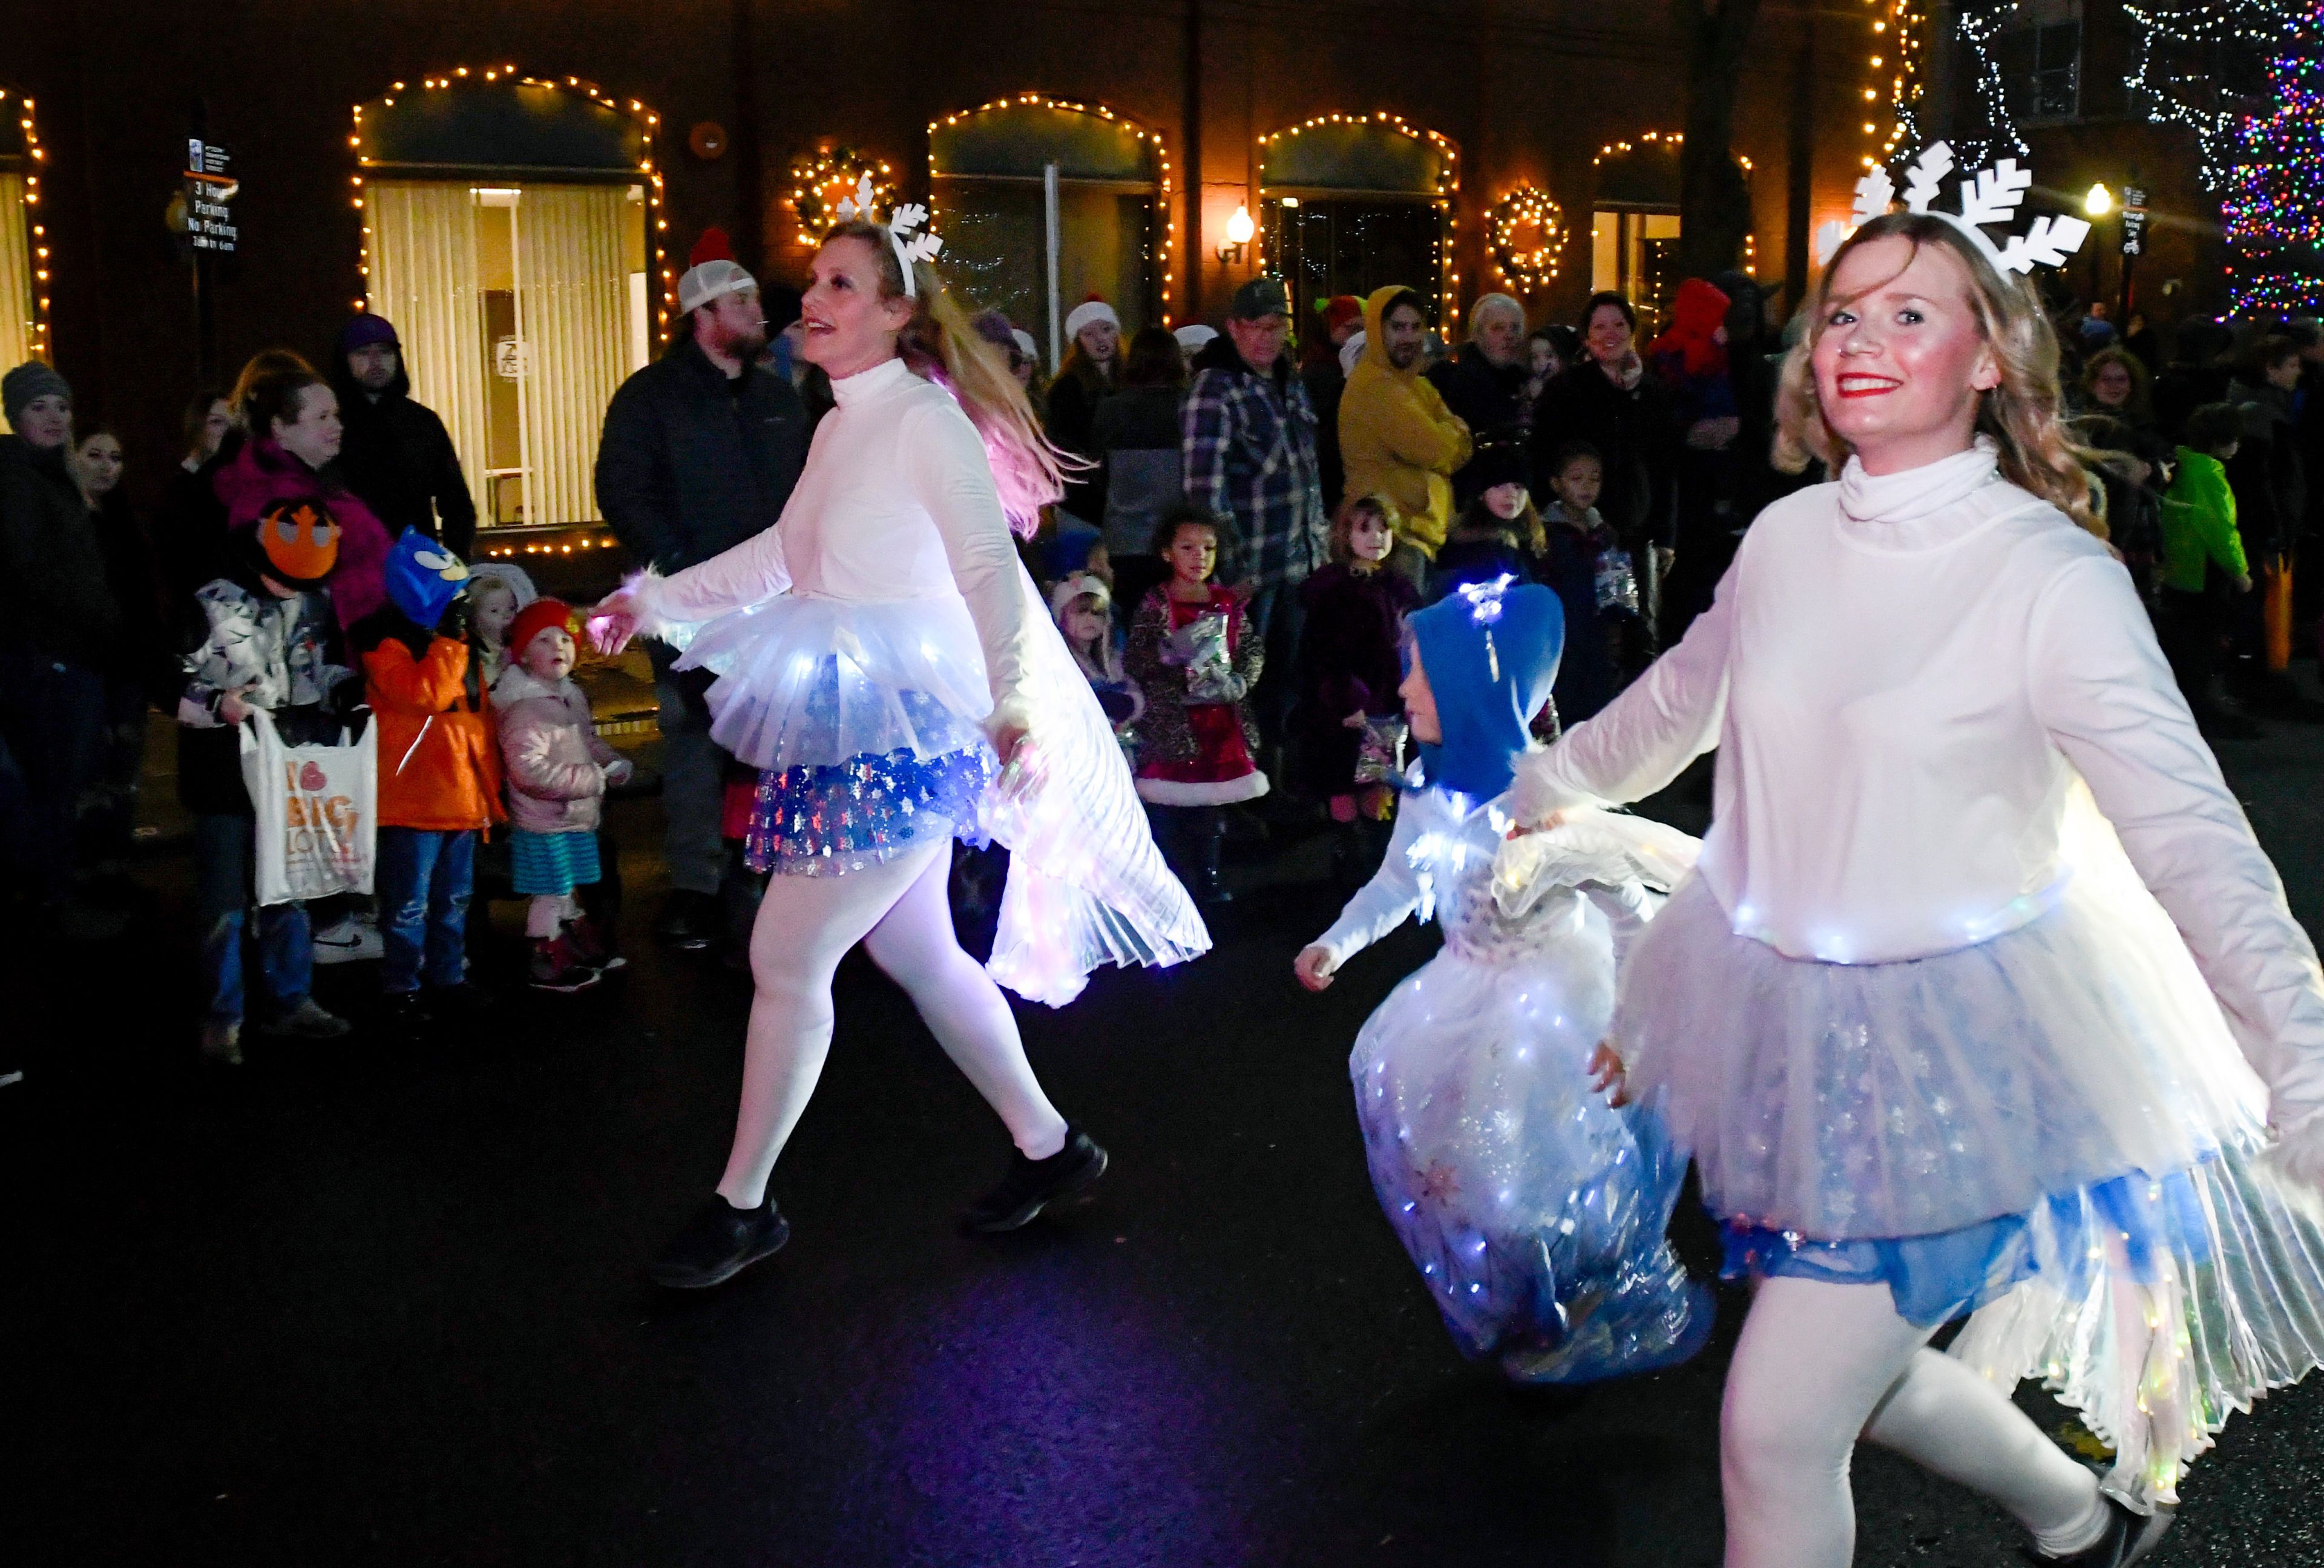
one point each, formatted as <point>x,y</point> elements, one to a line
<point>556,765</point>
<point>261,473</point>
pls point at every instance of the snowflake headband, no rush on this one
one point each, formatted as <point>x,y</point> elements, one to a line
<point>1987,196</point>
<point>1484,601</point>
<point>901,221</point>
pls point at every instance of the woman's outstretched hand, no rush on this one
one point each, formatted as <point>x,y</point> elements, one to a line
<point>612,622</point>
<point>1519,829</point>
<point>1607,1075</point>
<point>1006,740</point>
<point>1313,966</point>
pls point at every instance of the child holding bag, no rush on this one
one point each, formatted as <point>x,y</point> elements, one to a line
<point>269,642</point>
<point>1192,654</point>
<point>557,770</point>
<point>440,782</point>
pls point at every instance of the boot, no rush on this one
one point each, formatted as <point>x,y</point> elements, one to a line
<point>1208,840</point>
<point>222,1043</point>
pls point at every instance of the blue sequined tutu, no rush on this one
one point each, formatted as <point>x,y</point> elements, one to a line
<point>826,821</point>
<point>1534,1211</point>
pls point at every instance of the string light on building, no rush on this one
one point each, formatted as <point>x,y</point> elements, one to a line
<point>822,177</point>
<point>657,221</point>
<point>1162,250</point>
<point>36,158</point>
<point>1899,42</point>
<point>1448,186</point>
<point>1528,210</point>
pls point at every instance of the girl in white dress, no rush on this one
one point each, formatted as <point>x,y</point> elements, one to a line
<point>1930,1041</point>
<point>886,663</point>
<point>1534,1211</point>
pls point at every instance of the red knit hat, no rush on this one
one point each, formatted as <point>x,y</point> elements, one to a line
<point>1341,310</point>
<point>536,618</point>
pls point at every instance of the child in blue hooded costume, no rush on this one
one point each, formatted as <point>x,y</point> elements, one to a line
<point>1534,1210</point>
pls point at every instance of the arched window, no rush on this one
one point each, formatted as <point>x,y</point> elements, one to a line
<point>1014,247</point>
<point>1633,223</point>
<point>1351,203</point>
<point>510,232</point>
<point>23,236</point>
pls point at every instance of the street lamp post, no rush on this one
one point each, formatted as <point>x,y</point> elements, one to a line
<point>2095,205</point>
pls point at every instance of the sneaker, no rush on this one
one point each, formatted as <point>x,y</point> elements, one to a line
<point>2128,1538</point>
<point>591,946</point>
<point>307,1021</point>
<point>1033,1184</point>
<point>718,1243</point>
<point>222,1043</point>
<point>556,967</point>
<point>690,921</point>
<point>348,941</point>
<point>464,1003</point>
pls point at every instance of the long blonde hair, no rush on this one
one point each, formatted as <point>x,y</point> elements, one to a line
<point>938,343</point>
<point>2021,413</point>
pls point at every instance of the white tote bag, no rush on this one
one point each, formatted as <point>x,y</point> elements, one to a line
<point>318,812</point>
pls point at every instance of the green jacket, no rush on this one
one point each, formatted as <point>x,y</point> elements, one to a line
<point>2199,523</point>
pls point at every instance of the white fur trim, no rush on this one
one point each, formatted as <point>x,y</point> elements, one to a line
<point>1227,792</point>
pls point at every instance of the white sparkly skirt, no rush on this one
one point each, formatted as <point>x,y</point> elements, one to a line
<point>2068,1093</point>
<point>806,681</point>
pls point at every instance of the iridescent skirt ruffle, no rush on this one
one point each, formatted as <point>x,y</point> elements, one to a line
<point>1853,1101</point>
<point>2155,1291</point>
<point>1534,1211</point>
<point>826,821</point>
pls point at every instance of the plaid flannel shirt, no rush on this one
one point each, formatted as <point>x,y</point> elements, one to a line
<point>1250,448</point>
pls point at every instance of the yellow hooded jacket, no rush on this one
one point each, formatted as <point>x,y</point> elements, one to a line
<point>1398,438</point>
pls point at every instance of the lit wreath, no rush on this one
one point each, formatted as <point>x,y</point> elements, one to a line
<point>820,178</point>
<point>1529,268</point>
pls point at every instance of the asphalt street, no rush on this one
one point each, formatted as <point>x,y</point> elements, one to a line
<point>361,1304</point>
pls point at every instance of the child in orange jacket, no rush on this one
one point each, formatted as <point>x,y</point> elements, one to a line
<point>439,782</point>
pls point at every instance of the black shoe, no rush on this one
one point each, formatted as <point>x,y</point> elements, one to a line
<point>464,1003</point>
<point>403,1020</point>
<point>690,921</point>
<point>2128,1538</point>
<point>718,1243</point>
<point>1033,1184</point>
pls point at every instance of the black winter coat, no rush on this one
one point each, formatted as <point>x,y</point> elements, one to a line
<point>63,605</point>
<point>1636,434</point>
<point>1350,660</point>
<point>398,460</point>
<point>1489,397</point>
<point>691,465</point>
<point>2271,486</point>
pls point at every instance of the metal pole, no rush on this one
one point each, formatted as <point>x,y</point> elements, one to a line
<point>1049,218</point>
<point>1190,169</point>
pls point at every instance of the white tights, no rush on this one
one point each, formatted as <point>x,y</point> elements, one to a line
<point>897,910</point>
<point>1819,1364</point>
<point>546,915</point>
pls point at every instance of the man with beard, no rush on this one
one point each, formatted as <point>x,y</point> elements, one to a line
<point>1396,436</point>
<point>700,451</point>
<point>396,455</point>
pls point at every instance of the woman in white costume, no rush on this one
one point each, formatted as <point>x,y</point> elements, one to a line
<point>883,660</point>
<point>1930,1042</point>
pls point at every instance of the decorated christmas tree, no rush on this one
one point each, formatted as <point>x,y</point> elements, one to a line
<point>2274,205</point>
<point>2249,77</point>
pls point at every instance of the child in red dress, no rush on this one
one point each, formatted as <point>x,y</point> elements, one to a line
<point>1192,654</point>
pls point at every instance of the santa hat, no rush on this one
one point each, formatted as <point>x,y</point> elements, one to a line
<point>1090,311</point>
<point>540,615</point>
<point>711,272</point>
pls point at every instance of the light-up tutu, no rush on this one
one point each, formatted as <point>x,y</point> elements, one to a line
<point>2053,1127</point>
<point>1534,1211</point>
<point>856,709</point>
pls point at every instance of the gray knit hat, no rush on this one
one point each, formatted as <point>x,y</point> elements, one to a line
<point>27,382</point>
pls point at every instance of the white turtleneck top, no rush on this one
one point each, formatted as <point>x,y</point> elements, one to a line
<point>1902,676</point>
<point>896,503</point>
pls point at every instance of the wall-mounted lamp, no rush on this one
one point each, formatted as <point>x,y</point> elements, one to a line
<point>1239,228</point>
